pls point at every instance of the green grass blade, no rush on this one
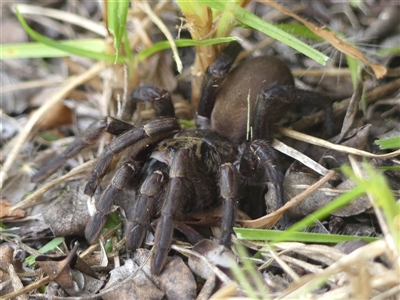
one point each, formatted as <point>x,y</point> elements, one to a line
<point>390,143</point>
<point>72,50</point>
<point>300,30</point>
<point>53,244</point>
<point>117,12</point>
<point>163,45</point>
<point>257,23</point>
<point>377,187</point>
<point>395,49</point>
<point>322,213</point>
<point>305,237</point>
<point>39,50</point>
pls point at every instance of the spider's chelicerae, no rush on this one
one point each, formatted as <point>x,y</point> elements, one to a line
<point>178,173</point>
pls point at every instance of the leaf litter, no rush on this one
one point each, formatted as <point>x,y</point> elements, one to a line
<point>288,270</point>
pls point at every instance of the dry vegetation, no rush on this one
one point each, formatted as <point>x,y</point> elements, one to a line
<point>45,103</point>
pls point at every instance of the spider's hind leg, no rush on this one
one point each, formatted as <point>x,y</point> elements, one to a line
<point>214,76</point>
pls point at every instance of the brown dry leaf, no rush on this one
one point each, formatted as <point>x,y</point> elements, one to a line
<point>175,271</point>
<point>5,207</point>
<point>313,202</point>
<point>216,254</point>
<point>68,214</point>
<point>70,272</point>
<point>127,282</point>
<point>7,258</point>
<point>379,70</point>
<point>59,115</point>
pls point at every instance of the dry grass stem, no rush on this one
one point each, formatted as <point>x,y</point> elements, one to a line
<point>31,199</point>
<point>63,16</point>
<point>297,155</point>
<point>221,275</point>
<point>57,97</point>
<point>326,144</point>
<point>351,263</point>
<point>340,108</point>
<point>156,20</point>
<point>30,85</point>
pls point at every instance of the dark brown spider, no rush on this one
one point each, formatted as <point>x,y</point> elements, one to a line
<point>176,174</point>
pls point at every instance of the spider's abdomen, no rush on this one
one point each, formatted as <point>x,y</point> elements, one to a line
<point>229,117</point>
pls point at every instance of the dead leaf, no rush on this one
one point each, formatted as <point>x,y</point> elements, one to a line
<point>216,254</point>
<point>70,272</point>
<point>5,211</point>
<point>310,204</point>
<point>68,214</point>
<point>59,115</point>
<point>127,282</point>
<point>175,271</point>
<point>7,258</point>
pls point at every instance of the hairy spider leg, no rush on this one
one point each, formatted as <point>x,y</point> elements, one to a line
<point>141,137</point>
<point>139,214</point>
<point>259,153</point>
<point>177,196</point>
<point>163,108</point>
<point>108,199</point>
<point>228,184</point>
<point>214,76</point>
<point>89,137</point>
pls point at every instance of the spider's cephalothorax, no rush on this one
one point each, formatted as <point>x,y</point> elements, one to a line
<point>178,173</point>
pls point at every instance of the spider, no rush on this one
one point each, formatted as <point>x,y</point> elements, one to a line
<point>178,173</point>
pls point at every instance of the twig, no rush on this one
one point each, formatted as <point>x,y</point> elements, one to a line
<point>34,196</point>
<point>323,143</point>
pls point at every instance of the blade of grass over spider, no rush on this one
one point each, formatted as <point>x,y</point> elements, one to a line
<point>117,12</point>
<point>257,23</point>
<point>163,45</point>
<point>305,237</point>
<point>72,50</point>
<point>53,244</point>
<point>39,50</point>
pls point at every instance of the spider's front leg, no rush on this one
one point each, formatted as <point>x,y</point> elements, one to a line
<point>163,108</point>
<point>143,136</point>
<point>228,184</point>
<point>89,137</point>
<point>177,196</point>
